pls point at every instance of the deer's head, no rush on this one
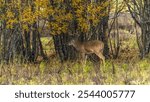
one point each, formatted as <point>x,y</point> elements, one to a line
<point>72,42</point>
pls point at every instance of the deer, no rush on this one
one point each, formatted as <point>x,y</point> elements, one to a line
<point>89,47</point>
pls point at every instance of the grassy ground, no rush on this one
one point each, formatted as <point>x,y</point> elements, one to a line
<point>127,69</point>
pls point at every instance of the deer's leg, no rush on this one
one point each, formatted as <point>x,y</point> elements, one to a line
<point>101,57</point>
<point>83,58</point>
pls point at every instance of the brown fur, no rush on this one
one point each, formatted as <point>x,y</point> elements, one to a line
<point>89,47</point>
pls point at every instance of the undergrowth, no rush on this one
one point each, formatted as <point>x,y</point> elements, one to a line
<point>54,73</point>
<point>127,69</point>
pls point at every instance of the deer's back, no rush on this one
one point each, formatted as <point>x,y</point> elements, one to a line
<point>93,46</point>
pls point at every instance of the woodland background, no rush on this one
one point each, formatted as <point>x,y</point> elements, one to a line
<point>34,36</point>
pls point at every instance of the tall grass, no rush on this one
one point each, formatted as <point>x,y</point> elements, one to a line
<point>127,69</point>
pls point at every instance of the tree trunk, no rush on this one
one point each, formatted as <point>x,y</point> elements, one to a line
<point>34,42</point>
<point>27,45</point>
<point>141,15</point>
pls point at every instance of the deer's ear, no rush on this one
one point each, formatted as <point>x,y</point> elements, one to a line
<point>69,42</point>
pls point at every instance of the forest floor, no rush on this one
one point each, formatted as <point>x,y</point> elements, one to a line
<point>127,69</point>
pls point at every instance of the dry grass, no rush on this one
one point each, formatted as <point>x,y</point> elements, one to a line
<point>127,69</point>
<point>53,72</point>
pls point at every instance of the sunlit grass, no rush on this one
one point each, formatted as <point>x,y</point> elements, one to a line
<point>74,73</point>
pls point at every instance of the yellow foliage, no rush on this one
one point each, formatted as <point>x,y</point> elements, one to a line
<point>57,16</point>
<point>10,23</point>
<point>10,14</point>
<point>10,19</point>
<point>1,3</point>
<point>89,13</point>
<point>75,3</point>
<point>28,16</point>
<point>42,8</point>
<point>41,3</point>
<point>25,27</point>
<point>2,17</point>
